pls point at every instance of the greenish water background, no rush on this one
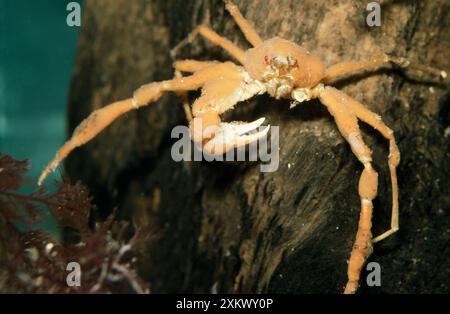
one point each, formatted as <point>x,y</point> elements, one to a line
<point>37,52</point>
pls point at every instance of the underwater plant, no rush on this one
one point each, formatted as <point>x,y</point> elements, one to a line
<point>32,261</point>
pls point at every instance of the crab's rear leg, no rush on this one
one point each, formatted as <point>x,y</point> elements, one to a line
<point>249,32</point>
<point>347,124</point>
<point>101,118</point>
<point>213,37</point>
<point>351,67</point>
<point>375,121</point>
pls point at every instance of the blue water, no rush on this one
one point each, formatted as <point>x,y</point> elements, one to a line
<point>37,53</point>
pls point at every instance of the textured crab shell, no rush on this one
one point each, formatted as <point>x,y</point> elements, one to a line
<point>309,69</point>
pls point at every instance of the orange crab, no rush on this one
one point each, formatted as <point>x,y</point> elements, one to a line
<point>282,69</point>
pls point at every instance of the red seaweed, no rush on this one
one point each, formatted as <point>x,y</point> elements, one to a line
<point>32,261</point>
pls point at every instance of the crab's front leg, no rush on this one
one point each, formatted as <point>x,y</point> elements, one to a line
<point>101,118</point>
<point>231,85</point>
<point>217,138</point>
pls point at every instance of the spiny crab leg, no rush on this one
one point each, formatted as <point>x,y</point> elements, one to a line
<point>232,135</point>
<point>88,129</point>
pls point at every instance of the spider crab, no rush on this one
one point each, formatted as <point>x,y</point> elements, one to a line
<point>284,70</point>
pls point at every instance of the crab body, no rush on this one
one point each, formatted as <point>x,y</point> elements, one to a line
<point>283,66</point>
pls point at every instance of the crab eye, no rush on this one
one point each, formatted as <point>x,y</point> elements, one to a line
<point>266,60</point>
<point>292,61</point>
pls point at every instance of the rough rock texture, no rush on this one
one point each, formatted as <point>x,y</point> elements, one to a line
<point>231,228</point>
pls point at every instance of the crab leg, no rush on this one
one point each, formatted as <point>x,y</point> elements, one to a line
<point>230,86</point>
<point>213,37</point>
<point>191,66</point>
<point>184,98</point>
<point>347,124</point>
<point>101,118</point>
<point>249,32</point>
<point>87,129</point>
<point>375,121</point>
<point>352,67</point>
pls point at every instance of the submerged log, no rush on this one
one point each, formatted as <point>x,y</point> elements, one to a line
<point>227,226</point>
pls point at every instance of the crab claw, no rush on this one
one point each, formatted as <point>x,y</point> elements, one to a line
<point>231,135</point>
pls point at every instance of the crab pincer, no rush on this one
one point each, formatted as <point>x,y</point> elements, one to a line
<point>227,136</point>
